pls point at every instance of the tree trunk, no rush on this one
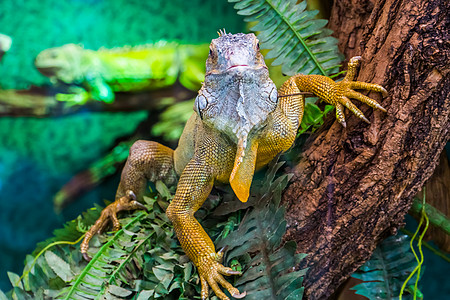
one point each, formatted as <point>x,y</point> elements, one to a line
<point>354,185</point>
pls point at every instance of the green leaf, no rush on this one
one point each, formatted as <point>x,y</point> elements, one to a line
<point>59,266</point>
<point>15,280</point>
<point>296,39</point>
<point>118,291</point>
<point>172,120</point>
<point>163,190</point>
<point>144,295</point>
<point>144,261</point>
<point>164,276</point>
<point>313,117</point>
<point>3,296</point>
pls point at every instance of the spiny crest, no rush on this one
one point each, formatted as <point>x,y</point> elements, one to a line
<point>129,48</point>
<point>222,32</point>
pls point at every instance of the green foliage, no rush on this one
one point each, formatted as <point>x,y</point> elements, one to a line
<point>388,268</point>
<point>143,260</point>
<point>172,120</point>
<point>298,41</point>
<point>313,117</point>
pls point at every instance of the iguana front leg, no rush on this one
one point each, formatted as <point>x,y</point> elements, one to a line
<point>94,88</point>
<point>212,160</point>
<point>335,93</point>
<point>148,161</point>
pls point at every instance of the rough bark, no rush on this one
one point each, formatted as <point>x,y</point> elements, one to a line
<point>353,186</point>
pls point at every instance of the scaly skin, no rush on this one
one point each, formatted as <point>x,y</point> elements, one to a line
<point>239,125</point>
<point>98,74</point>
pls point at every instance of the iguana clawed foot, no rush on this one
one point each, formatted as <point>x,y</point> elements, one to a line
<point>127,202</point>
<point>211,274</point>
<point>336,93</point>
<point>344,90</point>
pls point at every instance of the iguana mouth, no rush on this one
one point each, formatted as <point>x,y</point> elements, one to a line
<point>235,66</point>
<point>48,71</point>
<point>247,66</point>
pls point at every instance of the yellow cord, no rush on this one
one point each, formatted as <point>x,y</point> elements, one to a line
<point>423,216</point>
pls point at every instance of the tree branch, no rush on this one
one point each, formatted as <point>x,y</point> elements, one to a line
<point>353,186</point>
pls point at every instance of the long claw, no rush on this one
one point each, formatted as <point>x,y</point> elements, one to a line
<point>229,271</point>
<point>131,195</point>
<point>220,253</point>
<point>347,103</point>
<point>369,101</point>
<point>86,257</point>
<point>138,205</point>
<point>352,67</point>
<point>340,114</point>
<point>211,275</point>
<point>231,289</point>
<point>239,295</point>
<point>358,85</point>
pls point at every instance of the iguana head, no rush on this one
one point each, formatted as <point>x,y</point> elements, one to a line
<point>236,98</point>
<point>61,63</point>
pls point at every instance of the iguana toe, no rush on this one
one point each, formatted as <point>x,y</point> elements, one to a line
<point>109,213</point>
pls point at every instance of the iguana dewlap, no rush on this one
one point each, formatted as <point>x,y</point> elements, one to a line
<point>240,124</point>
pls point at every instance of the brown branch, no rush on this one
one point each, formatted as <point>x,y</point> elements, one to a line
<point>353,186</point>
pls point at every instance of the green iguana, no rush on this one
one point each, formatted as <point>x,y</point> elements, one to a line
<point>240,124</point>
<point>98,74</point>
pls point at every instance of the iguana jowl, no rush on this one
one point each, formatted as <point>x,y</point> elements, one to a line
<point>240,124</point>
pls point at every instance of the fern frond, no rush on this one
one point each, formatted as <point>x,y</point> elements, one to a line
<point>140,261</point>
<point>90,280</point>
<point>267,274</point>
<point>298,41</point>
<point>144,261</point>
<point>383,275</point>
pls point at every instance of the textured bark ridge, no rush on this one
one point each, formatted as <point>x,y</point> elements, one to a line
<point>353,186</point>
